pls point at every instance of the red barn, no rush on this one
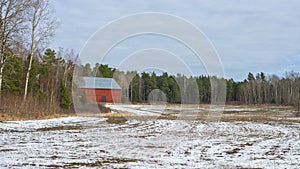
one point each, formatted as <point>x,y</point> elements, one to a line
<point>101,90</point>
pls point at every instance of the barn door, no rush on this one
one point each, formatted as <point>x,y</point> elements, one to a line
<point>103,99</point>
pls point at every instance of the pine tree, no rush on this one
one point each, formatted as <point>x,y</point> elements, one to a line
<point>65,100</point>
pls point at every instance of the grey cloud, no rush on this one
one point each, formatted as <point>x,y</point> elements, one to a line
<point>249,35</point>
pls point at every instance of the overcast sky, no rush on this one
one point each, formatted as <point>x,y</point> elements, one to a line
<point>249,36</point>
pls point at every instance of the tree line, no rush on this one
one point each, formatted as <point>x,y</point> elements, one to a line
<point>255,89</point>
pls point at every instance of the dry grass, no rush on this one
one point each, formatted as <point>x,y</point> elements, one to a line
<point>14,108</point>
<point>250,113</point>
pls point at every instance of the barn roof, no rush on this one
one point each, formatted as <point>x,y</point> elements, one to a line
<point>99,83</point>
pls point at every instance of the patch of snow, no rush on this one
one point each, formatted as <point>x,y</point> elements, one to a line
<point>84,142</point>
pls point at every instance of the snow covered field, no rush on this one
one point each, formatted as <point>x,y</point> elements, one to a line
<point>152,143</point>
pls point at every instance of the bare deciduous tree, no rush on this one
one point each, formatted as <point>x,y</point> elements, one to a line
<point>11,28</point>
<point>42,28</point>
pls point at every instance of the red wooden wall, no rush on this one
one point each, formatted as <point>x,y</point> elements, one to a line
<point>112,95</point>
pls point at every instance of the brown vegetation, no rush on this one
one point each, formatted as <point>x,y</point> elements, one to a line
<point>15,108</point>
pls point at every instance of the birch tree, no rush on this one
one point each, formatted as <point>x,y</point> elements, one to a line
<point>11,28</point>
<point>42,28</point>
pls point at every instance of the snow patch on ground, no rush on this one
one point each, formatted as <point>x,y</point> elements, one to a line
<point>93,142</point>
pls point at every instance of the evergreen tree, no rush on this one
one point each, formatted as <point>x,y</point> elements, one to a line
<point>162,83</point>
<point>106,71</point>
<point>174,92</point>
<point>135,89</point>
<point>146,85</point>
<point>65,97</point>
<point>13,75</point>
